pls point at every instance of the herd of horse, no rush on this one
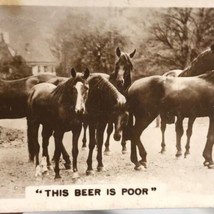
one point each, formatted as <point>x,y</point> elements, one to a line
<point>95,100</point>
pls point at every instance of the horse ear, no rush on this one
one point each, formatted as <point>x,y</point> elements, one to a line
<point>73,72</point>
<point>86,73</point>
<point>118,52</point>
<point>132,54</point>
<point>212,48</point>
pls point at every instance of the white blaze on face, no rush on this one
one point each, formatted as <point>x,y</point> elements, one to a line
<point>120,75</point>
<point>80,107</point>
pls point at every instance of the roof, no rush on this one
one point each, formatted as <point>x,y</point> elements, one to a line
<point>37,53</point>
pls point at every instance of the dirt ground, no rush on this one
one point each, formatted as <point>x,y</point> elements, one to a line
<point>178,174</point>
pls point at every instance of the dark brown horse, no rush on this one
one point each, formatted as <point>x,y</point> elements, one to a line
<point>105,104</point>
<point>14,93</point>
<point>121,79</point>
<point>201,64</point>
<point>59,109</point>
<point>183,97</point>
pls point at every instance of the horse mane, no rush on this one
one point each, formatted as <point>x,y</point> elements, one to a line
<point>101,83</point>
<point>208,76</point>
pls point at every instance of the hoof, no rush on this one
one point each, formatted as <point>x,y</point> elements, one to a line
<point>90,173</point>
<point>84,148</point>
<point>67,166</point>
<point>138,168</point>
<point>143,163</point>
<point>211,166</point>
<point>75,175</point>
<point>44,170</point>
<point>50,167</point>
<point>45,173</point>
<point>57,177</point>
<point>206,163</point>
<point>178,154</point>
<point>107,153</point>
<point>38,172</point>
<point>162,151</point>
<point>124,150</point>
<point>100,169</point>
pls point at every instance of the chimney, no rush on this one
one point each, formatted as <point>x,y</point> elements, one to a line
<point>4,37</point>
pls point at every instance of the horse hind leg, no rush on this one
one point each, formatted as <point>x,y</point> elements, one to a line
<point>189,134</point>
<point>33,144</point>
<point>109,131</point>
<point>46,134</point>
<point>207,153</point>
<point>140,125</point>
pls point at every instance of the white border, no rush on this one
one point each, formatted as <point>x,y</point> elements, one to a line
<point>112,3</point>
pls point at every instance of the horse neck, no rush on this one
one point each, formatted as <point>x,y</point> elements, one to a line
<point>62,93</point>
<point>126,85</point>
<point>106,90</point>
<point>199,65</point>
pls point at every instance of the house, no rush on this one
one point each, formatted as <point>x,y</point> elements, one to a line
<point>37,56</point>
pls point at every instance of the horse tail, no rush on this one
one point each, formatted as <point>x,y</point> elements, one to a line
<point>128,129</point>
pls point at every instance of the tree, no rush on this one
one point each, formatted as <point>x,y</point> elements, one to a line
<point>177,37</point>
<point>82,41</point>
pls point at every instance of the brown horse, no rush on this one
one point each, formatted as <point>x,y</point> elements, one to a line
<point>183,97</point>
<point>201,64</point>
<point>121,79</point>
<point>14,93</point>
<point>59,109</point>
<point>105,104</point>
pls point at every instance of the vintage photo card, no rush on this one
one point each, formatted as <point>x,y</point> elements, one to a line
<point>106,105</point>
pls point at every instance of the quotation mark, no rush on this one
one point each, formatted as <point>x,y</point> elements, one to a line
<point>38,191</point>
<point>153,188</point>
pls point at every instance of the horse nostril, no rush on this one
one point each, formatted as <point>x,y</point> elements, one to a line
<point>117,137</point>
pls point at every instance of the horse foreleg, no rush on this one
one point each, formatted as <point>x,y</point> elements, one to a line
<point>92,142</point>
<point>100,132</point>
<point>109,131</point>
<point>163,129</point>
<point>58,136</point>
<point>65,156</point>
<point>207,153</point>
<point>179,133</point>
<point>189,134</point>
<point>85,125</point>
<point>123,144</point>
<point>76,133</point>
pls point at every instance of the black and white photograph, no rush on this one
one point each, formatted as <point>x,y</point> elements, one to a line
<point>106,106</point>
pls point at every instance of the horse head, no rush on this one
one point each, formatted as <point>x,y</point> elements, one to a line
<point>123,68</point>
<point>80,88</point>
<point>120,116</point>
<point>120,120</point>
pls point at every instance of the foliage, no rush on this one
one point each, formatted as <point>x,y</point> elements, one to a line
<point>15,68</point>
<point>177,37</point>
<point>87,42</point>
